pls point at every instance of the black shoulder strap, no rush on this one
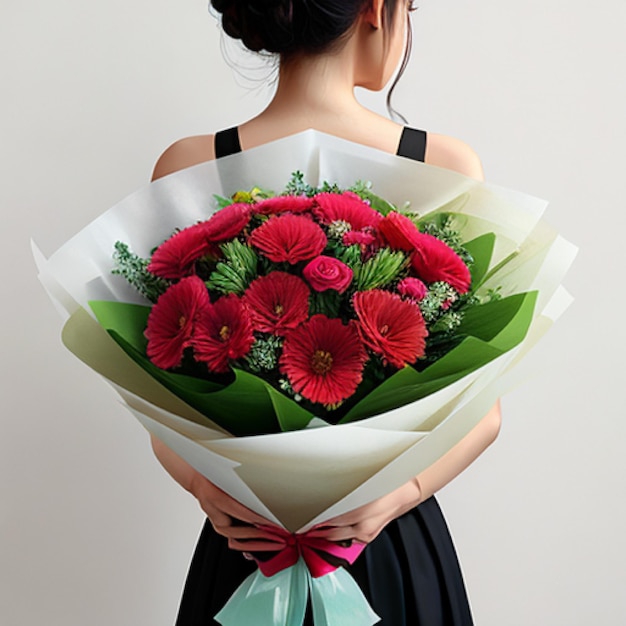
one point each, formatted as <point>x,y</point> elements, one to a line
<point>412,144</point>
<point>227,142</point>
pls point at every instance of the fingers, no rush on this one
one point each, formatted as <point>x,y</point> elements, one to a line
<point>248,538</point>
<point>248,532</point>
<point>220,501</point>
<point>255,546</point>
<point>336,534</point>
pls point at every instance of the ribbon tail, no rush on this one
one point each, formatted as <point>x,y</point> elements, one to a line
<point>338,601</point>
<point>278,600</point>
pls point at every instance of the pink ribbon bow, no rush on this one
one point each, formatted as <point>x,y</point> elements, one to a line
<point>312,551</point>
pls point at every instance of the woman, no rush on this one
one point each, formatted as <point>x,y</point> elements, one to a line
<point>408,569</point>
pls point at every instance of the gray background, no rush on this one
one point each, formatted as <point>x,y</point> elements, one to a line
<point>92,530</point>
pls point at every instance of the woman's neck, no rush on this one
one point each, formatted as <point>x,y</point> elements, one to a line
<point>318,92</point>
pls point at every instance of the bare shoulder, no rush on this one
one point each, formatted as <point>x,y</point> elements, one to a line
<point>453,154</point>
<point>184,153</point>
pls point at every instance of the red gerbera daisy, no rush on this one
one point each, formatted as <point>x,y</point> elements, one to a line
<point>277,302</point>
<point>434,260</point>
<point>399,231</point>
<point>392,327</point>
<point>172,322</point>
<point>290,238</point>
<point>283,204</point>
<point>223,333</point>
<point>176,256</point>
<point>323,360</point>
<point>345,207</point>
<point>227,222</point>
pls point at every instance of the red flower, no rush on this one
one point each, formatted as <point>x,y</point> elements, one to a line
<point>412,288</point>
<point>290,238</point>
<point>223,333</point>
<point>277,302</point>
<point>323,360</point>
<point>282,204</point>
<point>326,272</point>
<point>172,323</point>
<point>345,207</point>
<point>392,327</point>
<point>434,260</point>
<point>399,231</point>
<point>176,256</point>
<point>359,238</point>
<point>227,223</point>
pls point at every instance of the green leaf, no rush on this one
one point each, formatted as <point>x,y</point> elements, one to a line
<point>327,303</point>
<point>242,407</point>
<point>379,270</point>
<point>481,250</point>
<point>376,202</point>
<point>290,415</point>
<point>238,269</point>
<point>492,328</point>
<point>503,323</point>
<point>127,320</point>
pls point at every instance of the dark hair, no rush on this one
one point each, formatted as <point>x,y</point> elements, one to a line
<point>292,27</point>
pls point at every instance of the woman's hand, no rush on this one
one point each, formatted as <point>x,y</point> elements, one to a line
<point>365,523</point>
<point>228,517</point>
<point>232,519</point>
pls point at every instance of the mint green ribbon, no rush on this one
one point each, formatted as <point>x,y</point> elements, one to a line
<point>280,600</point>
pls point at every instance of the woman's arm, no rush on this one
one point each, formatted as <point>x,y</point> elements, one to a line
<point>229,518</point>
<point>366,522</point>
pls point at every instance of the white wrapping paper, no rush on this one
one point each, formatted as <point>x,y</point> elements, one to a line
<point>298,479</point>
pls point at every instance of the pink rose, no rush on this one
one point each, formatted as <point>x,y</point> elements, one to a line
<point>412,288</point>
<point>326,272</point>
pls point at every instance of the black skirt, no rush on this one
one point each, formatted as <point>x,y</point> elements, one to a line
<point>409,574</point>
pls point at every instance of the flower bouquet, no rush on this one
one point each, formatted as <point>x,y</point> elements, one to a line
<point>310,351</point>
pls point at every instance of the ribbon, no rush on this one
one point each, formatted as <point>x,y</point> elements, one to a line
<point>312,550</point>
<point>276,594</point>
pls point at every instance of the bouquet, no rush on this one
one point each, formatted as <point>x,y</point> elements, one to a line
<point>311,351</point>
<point>319,294</point>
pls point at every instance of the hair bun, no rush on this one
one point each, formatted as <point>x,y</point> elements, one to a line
<point>288,27</point>
<point>260,24</point>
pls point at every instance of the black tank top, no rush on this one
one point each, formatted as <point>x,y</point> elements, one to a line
<point>412,143</point>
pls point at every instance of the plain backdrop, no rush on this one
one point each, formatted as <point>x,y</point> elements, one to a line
<point>92,531</point>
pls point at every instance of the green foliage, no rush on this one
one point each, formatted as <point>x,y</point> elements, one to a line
<point>448,322</point>
<point>135,270</point>
<point>431,304</point>
<point>236,271</point>
<point>325,302</point>
<point>380,270</point>
<point>221,201</point>
<point>285,385</point>
<point>263,356</point>
<point>492,295</point>
<point>298,187</point>
<point>350,255</point>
